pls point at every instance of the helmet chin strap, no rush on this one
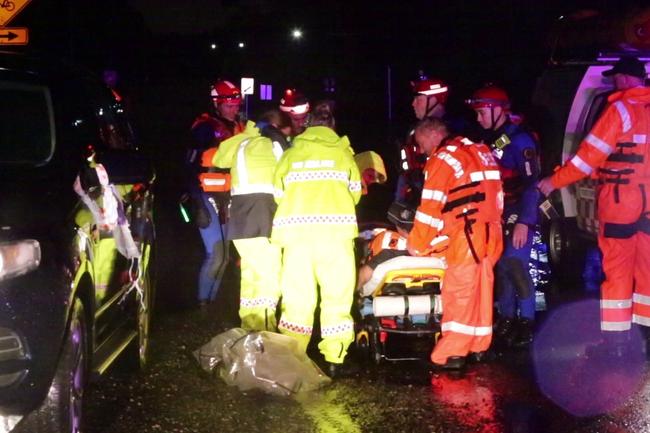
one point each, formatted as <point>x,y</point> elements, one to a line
<point>429,110</point>
<point>493,120</point>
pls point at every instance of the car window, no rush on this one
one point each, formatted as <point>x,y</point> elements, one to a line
<point>26,124</point>
<point>595,110</point>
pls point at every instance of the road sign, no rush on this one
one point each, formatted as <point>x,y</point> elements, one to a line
<point>13,35</point>
<point>247,85</point>
<point>9,9</point>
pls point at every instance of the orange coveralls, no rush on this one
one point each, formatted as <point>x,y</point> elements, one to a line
<point>616,153</point>
<point>460,210</point>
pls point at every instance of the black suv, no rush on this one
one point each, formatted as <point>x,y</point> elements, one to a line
<point>76,246</point>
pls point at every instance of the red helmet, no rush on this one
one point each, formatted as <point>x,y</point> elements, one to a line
<point>431,87</point>
<point>489,96</point>
<point>294,102</point>
<point>225,91</point>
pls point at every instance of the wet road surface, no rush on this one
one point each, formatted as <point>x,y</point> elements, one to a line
<point>174,395</point>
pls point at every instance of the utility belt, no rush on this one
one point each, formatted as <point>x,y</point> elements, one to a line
<point>215,181</point>
<point>626,231</point>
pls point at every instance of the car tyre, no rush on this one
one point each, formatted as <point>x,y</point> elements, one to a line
<point>67,392</point>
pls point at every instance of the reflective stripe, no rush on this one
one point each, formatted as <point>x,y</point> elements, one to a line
<point>625,115</point>
<point>639,138</point>
<point>599,144</point>
<point>452,162</point>
<point>641,299</point>
<point>429,220</point>
<point>253,189</point>
<point>438,239</point>
<point>242,170</point>
<point>466,329</point>
<point>434,194</point>
<point>478,176</point>
<point>581,165</point>
<point>327,331</point>
<point>641,320</point>
<point>277,150</point>
<point>466,141</point>
<point>314,219</point>
<point>296,328</point>
<point>355,186</point>
<point>616,303</point>
<point>258,302</point>
<point>316,175</point>
<point>434,89</point>
<point>207,181</point>
<point>615,326</point>
<point>451,148</point>
<point>405,165</point>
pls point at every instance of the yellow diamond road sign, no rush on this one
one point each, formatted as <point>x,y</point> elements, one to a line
<point>13,35</point>
<point>9,9</point>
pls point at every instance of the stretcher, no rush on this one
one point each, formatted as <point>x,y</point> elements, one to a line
<point>402,298</point>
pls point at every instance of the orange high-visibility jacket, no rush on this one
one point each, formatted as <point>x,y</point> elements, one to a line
<point>616,153</point>
<point>462,187</point>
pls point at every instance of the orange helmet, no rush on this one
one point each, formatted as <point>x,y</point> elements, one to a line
<point>225,91</point>
<point>489,96</point>
<point>431,87</point>
<point>294,102</point>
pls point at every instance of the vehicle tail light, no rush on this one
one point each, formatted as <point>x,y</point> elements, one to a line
<point>18,258</point>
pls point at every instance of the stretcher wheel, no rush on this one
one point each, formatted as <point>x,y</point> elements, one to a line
<point>376,352</point>
<point>362,342</point>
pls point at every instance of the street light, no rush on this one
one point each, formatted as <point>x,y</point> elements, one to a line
<point>213,46</point>
<point>241,45</point>
<point>296,34</point>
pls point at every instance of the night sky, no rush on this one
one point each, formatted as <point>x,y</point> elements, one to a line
<point>356,43</point>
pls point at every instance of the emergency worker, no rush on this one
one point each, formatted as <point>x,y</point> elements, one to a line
<point>616,153</point>
<point>209,187</point>
<point>429,98</point>
<point>296,105</point>
<point>317,187</point>
<point>516,153</point>
<point>252,159</point>
<point>460,216</point>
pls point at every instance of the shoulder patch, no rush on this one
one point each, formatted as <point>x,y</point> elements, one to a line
<point>529,153</point>
<point>502,141</point>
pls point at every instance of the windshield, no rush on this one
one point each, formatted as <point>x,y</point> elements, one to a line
<point>26,124</point>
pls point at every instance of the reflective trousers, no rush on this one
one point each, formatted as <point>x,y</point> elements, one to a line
<point>625,293</point>
<point>330,265</point>
<point>467,292</point>
<point>260,283</point>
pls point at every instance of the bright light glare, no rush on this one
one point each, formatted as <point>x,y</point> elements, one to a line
<point>213,46</point>
<point>241,45</point>
<point>296,34</point>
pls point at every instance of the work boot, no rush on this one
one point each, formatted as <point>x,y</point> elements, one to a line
<point>505,332</point>
<point>453,363</point>
<point>524,334</point>
<point>480,357</point>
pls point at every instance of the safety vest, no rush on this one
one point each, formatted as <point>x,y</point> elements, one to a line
<point>462,187</point>
<point>251,159</point>
<point>616,153</point>
<point>317,185</point>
